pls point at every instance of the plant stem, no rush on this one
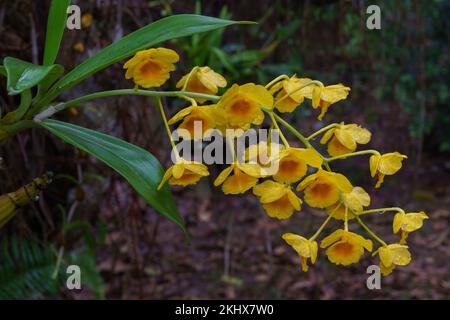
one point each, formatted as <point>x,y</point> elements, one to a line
<point>166,124</point>
<point>230,141</point>
<point>330,215</point>
<point>191,100</point>
<point>19,126</point>
<point>279,78</point>
<point>283,138</point>
<point>346,218</point>
<point>318,132</point>
<point>370,232</point>
<point>110,93</point>
<point>327,165</point>
<point>189,78</point>
<point>291,129</point>
<point>297,134</point>
<point>380,210</point>
<point>358,153</point>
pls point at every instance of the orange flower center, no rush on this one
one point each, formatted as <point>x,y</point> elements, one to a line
<point>343,249</point>
<point>321,190</point>
<point>240,180</point>
<point>195,85</point>
<point>187,178</point>
<point>282,204</point>
<point>151,69</point>
<point>288,165</point>
<point>189,124</point>
<point>241,107</point>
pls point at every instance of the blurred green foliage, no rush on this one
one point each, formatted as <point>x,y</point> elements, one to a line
<point>31,270</point>
<point>404,64</point>
<point>234,58</point>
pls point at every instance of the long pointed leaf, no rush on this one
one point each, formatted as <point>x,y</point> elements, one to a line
<point>159,31</point>
<point>140,168</point>
<point>23,75</point>
<point>56,23</point>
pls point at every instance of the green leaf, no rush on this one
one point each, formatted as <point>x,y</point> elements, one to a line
<point>140,168</point>
<point>225,60</point>
<point>17,114</point>
<point>3,71</point>
<point>56,23</point>
<point>24,75</point>
<point>159,31</point>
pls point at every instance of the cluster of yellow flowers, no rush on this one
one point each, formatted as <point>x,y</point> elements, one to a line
<point>242,106</point>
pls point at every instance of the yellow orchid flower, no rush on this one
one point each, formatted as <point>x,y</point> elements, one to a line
<point>242,104</point>
<point>151,68</point>
<point>323,188</point>
<point>265,156</point>
<point>408,222</point>
<point>356,200</point>
<point>202,80</point>
<point>245,177</point>
<point>278,199</point>
<point>345,247</point>
<point>344,138</point>
<point>291,87</point>
<point>386,164</point>
<point>293,163</point>
<point>184,173</point>
<point>305,248</point>
<point>323,97</point>
<point>391,256</point>
<point>206,117</point>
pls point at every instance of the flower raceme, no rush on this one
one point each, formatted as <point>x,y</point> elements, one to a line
<point>269,169</point>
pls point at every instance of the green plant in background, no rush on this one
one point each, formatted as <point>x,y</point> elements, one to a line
<point>27,270</point>
<point>84,257</point>
<point>234,58</point>
<point>30,270</point>
<point>413,78</point>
